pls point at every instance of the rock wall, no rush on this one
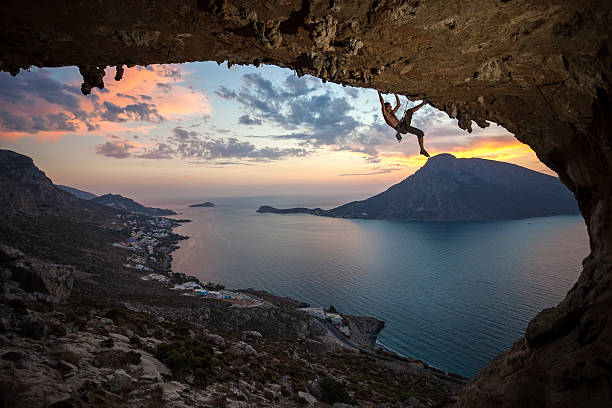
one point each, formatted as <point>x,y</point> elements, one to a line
<point>541,69</point>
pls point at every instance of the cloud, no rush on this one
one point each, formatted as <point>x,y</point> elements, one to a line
<point>167,71</point>
<point>352,92</point>
<point>130,97</point>
<point>38,83</point>
<point>190,145</point>
<point>246,120</point>
<point>141,111</point>
<point>193,146</point>
<point>36,123</point>
<point>118,150</point>
<point>371,173</point>
<point>315,114</point>
<point>37,103</point>
<point>161,151</point>
<point>164,87</point>
<point>225,93</point>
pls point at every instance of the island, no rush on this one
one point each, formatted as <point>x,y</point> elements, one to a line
<point>300,210</point>
<point>206,204</point>
<point>447,188</point>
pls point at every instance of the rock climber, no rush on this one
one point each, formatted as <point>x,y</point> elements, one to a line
<point>403,125</point>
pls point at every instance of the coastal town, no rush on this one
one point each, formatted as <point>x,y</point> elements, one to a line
<point>150,241</point>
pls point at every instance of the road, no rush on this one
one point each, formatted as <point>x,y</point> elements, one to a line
<point>338,336</point>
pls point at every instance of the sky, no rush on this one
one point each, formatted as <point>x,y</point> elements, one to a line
<point>201,130</point>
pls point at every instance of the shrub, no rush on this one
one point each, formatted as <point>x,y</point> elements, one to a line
<point>187,355</point>
<point>331,309</point>
<point>333,391</point>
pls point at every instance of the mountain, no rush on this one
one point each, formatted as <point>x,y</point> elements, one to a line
<point>47,222</point>
<point>85,195</point>
<point>451,189</point>
<point>119,202</point>
<point>26,190</point>
<point>206,204</point>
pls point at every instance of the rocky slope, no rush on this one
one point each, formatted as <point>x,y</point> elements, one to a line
<point>451,189</point>
<point>85,195</point>
<point>541,69</point>
<point>24,189</point>
<point>121,203</point>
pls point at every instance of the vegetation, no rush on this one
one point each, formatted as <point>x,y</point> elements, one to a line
<point>188,356</point>
<point>331,309</point>
<point>333,391</point>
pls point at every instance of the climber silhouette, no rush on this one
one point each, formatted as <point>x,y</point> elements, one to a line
<point>402,125</point>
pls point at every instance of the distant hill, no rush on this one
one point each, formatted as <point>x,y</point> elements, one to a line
<point>85,195</point>
<point>119,202</point>
<point>300,210</point>
<point>206,204</point>
<point>451,189</point>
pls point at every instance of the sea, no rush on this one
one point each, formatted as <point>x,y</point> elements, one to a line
<point>452,294</point>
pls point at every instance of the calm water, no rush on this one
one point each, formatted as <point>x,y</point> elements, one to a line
<point>452,294</point>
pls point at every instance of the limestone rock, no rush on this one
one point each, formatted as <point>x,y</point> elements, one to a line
<point>245,348</point>
<point>251,336</point>
<point>32,327</point>
<point>215,339</point>
<point>120,381</point>
<point>307,398</point>
<point>314,388</point>
<point>8,253</point>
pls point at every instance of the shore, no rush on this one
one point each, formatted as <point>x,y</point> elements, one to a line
<point>356,333</point>
<point>100,332</point>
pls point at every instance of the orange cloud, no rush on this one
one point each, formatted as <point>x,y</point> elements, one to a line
<point>168,93</point>
<point>38,105</point>
<point>493,148</point>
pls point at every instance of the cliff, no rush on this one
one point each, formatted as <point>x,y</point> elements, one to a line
<point>26,190</point>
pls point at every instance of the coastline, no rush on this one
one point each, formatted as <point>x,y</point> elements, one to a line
<point>373,346</point>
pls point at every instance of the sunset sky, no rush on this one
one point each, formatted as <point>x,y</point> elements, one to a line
<point>200,130</point>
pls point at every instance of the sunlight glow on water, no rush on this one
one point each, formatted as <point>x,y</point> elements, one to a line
<point>452,294</point>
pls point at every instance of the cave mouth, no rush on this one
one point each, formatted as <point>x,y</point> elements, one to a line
<point>540,70</point>
<point>257,91</point>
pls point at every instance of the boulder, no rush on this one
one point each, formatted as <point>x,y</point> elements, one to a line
<point>119,382</point>
<point>314,388</point>
<point>251,336</point>
<point>32,327</point>
<point>245,348</point>
<point>215,339</point>
<point>51,279</point>
<point>307,398</point>
<point>8,254</point>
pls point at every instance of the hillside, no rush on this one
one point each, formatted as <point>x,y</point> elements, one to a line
<point>85,195</point>
<point>121,203</point>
